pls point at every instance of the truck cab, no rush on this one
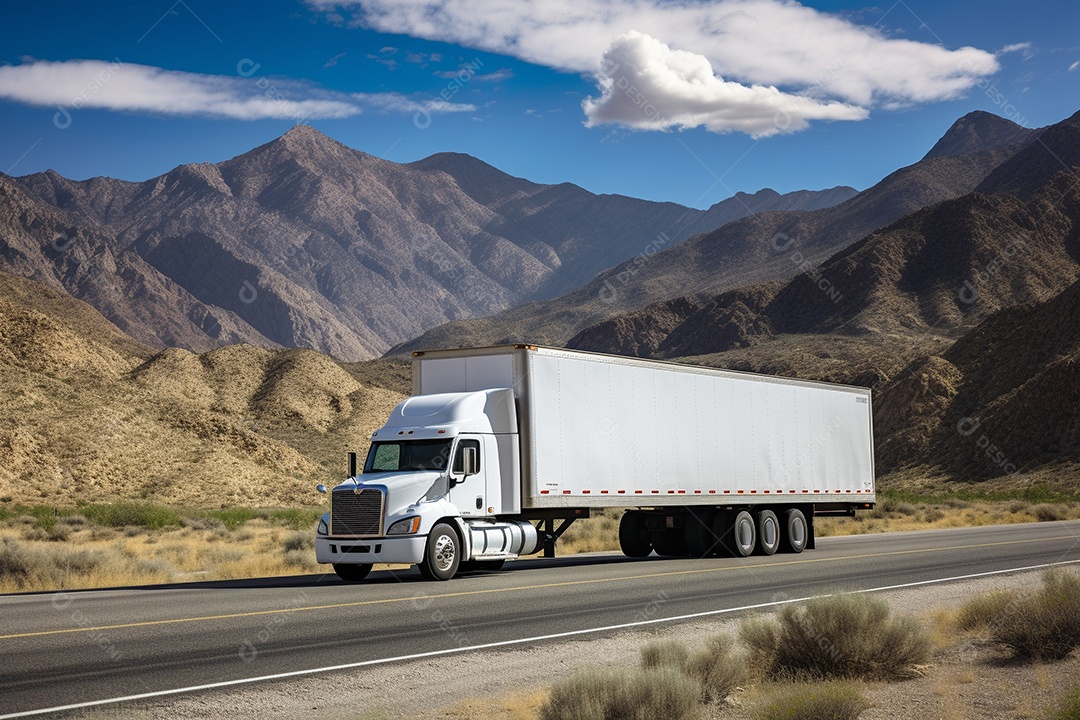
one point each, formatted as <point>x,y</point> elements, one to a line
<point>436,467</point>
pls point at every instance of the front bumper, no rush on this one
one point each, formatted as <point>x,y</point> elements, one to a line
<point>353,551</point>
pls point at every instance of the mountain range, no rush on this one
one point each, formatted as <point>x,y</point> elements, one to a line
<point>304,242</point>
<point>764,246</point>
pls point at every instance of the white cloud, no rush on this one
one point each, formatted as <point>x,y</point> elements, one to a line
<point>77,84</point>
<point>1074,66</point>
<point>647,85</point>
<point>772,43</point>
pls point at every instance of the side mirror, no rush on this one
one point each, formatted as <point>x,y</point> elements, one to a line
<point>470,461</point>
<point>321,488</point>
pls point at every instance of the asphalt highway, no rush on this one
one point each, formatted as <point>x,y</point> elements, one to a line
<point>59,650</point>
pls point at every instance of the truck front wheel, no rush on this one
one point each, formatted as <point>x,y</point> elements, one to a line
<point>351,573</point>
<point>443,553</point>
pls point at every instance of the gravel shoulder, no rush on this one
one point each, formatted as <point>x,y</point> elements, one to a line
<point>965,679</point>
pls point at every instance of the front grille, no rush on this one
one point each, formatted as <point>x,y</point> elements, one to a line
<point>357,515</point>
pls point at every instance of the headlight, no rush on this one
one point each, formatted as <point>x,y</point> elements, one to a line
<point>408,526</point>
<point>323,529</point>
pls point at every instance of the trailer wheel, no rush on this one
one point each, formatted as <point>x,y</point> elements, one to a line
<point>443,553</point>
<point>742,539</point>
<point>670,542</point>
<point>721,530</point>
<point>768,532</point>
<point>634,537</point>
<point>700,541</point>
<point>796,532</point>
<point>351,573</point>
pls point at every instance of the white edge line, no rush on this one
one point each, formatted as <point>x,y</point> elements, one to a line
<point>505,643</point>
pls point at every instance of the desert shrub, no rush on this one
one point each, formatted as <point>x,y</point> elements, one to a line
<point>45,516</point>
<point>300,541</point>
<point>664,653</point>
<point>203,523</point>
<point>832,700</point>
<point>984,610</point>
<point>932,515</point>
<point>34,532</point>
<point>131,514</point>
<point>841,636</point>
<point>1047,513</point>
<point>154,569</point>
<point>302,559</point>
<point>1044,625</point>
<point>906,509</point>
<point>607,695</point>
<point>718,668</point>
<point>1017,506</point>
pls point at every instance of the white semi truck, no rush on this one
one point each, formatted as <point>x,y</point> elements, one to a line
<point>496,445</point>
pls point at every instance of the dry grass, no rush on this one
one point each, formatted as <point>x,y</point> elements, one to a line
<point>909,512</point>
<point>834,700</point>
<point>606,695</point>
<point>53,552</point>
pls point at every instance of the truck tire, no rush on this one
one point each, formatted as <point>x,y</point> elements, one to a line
<point>742,537</point>
<point>634,537</point>
<point>351,573</point>
<point>670,542</point>
<point>700,541</point>
<point>442,556</point>
<point>796,532</point>
<point>768,532</point>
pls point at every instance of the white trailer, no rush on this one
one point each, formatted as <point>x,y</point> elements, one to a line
<point>497,444</point>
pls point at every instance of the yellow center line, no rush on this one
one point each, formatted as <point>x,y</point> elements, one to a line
<point>568,583</point>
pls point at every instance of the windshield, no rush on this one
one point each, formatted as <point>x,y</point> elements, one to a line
<point>407,455</point>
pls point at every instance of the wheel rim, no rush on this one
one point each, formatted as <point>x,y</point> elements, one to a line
<point>798,532</point>
<point>769,534</point>
<point>745,533</point>
<point>445,551</point>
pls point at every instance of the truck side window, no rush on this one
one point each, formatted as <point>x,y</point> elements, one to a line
<point>459,456</point>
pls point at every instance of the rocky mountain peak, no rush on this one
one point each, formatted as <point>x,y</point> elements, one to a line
<point>978,131</point>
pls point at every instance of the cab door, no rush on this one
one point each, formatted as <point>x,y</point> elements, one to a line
<point>468,478</point>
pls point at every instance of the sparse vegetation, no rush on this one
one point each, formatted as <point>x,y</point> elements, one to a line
<point>834,700</point>
<point>983,611</point>
<point>842,636</point>
<point>664,653</point>
<point>606,695</point>
<point>100,545</point>
<point>719,668</point>
<point>1042,625</point>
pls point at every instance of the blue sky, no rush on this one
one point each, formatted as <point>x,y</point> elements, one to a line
<point>683,101</point>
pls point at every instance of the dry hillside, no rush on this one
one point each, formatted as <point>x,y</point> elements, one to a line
<point>87,414</point>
